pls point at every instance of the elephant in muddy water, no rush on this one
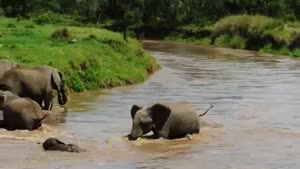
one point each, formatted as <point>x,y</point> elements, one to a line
<point>170,121</point>
<point>36,83</point>
<point>6,66</point>
<point>20,113</point>
<point>53,144</point>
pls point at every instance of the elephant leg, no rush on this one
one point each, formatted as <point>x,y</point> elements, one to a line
<point>48,101</point>
<point>162,133</point>
<point>155,134</point>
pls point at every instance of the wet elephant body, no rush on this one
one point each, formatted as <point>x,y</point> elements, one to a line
<point>36,83</point>
<point>53,144</point>
<point>170,121</point>
<point>20,113</point>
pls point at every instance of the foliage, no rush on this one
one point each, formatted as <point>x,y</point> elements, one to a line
<point>231,41</point>
<point>29,26</point>
<point>61,34</point>
<point>150,12</point>
<point>98,59</point>
<point>263,30</point>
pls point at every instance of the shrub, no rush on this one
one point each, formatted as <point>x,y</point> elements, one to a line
<point>61,34</point>
<point>246,25</point>
<point>2,12</point>
<point>238,42</point>
<point>11,25</point>
<point>52,18</point>
<point>29,26</point>
<point>42,19</point>
<point>90,37</point>
<point>75,82</point>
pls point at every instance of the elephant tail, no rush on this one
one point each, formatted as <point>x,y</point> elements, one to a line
<point>211,106</point>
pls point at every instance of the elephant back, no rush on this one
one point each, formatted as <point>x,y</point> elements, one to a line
<point>184,118</point>
<point>20,113</point>
<point>5,66</point>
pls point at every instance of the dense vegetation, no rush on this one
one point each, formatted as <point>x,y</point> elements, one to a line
<point>266,25</point>
<point>160,13</point>
<point>98,59</point>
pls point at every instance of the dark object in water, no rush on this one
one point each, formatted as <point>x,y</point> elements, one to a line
<point>53,144</point>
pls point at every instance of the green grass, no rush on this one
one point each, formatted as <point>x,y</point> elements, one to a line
<point>98,59</point>
<point>252,32</point>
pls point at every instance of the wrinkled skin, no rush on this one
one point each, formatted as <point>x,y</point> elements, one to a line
<point>35,83</point>
<point>20,113</point>
<point>169,121</point>
<point>53,144</point>
<point>6,66</point>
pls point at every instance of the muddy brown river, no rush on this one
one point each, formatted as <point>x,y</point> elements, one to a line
<point>255,123</point>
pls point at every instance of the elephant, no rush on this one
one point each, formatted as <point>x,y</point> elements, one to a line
<point>20,113</point>
<point>167,120</point>
<point>53,144</point>
<point>6,65</point>
<point>36,83</point>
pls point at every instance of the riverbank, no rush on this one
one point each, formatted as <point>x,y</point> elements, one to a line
<point>90,58</point>
<point>256,33</point>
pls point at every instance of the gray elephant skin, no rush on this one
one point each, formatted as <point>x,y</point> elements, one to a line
<point>5,66</point>
<point>53,144</point>
<point>20,113</point>
<point>36,83</point>
<point>170,121</point>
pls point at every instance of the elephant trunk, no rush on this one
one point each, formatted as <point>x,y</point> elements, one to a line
<point>135,134</point>
<point>62,97</point>
<point>131,138</point>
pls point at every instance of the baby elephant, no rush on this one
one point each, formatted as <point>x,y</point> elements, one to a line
<point>20,113</point>
<point>53,144</point>
<point>169,121</point>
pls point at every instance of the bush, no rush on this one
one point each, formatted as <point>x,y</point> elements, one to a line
<point>29,26</point>
<point>42,19</point>
<point>11,25</point>
<point>90,37</point>
<point>75,82</point>
<point>61,34</point>
<point>245,25</point>
<point>52,18</point>
<point>231,41</point>
<point>257,31</point>
<point>2,12</point>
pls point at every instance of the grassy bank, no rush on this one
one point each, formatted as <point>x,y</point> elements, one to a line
<point>98,59</point>
<point>259,33</point>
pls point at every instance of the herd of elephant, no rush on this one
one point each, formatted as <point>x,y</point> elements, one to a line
<point>26,99</point>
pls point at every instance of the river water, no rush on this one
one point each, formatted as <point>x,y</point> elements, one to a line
<point>255,123</point>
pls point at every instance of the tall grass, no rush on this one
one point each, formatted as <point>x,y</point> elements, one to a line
<point>98,59</point>
<point>259,31</point>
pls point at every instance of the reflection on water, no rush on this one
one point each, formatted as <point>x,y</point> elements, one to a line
<point>254,124</point>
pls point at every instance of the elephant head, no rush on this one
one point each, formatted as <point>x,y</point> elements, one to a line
<point>58,83</point>
<point>5,97</point>
<point>146,119</point>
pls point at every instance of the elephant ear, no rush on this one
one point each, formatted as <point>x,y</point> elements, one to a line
<point>160,114</point>
<point>56,79</point>
<point>134,109</point>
